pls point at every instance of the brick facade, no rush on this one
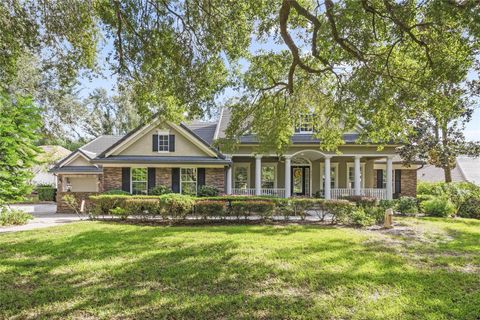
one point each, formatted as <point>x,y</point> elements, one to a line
<point>163,176</point>
<point>215,177</point>
<point>112,178</point>
<point>409,182</point>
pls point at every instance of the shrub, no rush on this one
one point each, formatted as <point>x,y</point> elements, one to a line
<point>339,209</point>
<point>210,208</point>
<point>388,204</point>
<point>248,208</point>
<point>10,217</point>
<point>160,190</point>
<point>376,213</point>
<point>470,208</point>
<point>102,204</point>
<point>207,191</point>
<point>177,206</point>
<point>438,207</point>
<point>283,207</point>
<point>407,205</point>
<point>142,207</point>
<point>120,212</point>
<point>300,206</point>
<point>116,192</point>
<point>46,192</point>
<point>360,218</point>
<point>363,201</point>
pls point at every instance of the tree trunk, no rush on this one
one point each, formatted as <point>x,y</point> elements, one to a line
<point>448,173</point>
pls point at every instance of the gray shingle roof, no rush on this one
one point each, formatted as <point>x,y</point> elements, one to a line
<point>223,122</point>
<point>205,130</point>
<point>100,144</point>
<point>161,160</point>
<point>301,138</point>
<point>430,173</point>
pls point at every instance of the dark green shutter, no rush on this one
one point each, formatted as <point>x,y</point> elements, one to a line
<point>171,143</point>
<point>151,178</point>
<point>379,178</point>
<point>201,177</point>
<point>155,142</point>
<point>398,181</point>
<point>176,180</point>
<point>126,179</point>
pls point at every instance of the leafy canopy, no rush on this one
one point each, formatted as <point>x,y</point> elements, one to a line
<point>349,61</point>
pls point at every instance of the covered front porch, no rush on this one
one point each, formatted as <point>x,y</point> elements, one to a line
<point>311,173</point>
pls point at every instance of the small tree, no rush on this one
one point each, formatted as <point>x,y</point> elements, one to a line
<point>19,122</point>
<point>438,137</point>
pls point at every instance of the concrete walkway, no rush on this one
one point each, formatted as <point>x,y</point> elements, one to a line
<point>44,216</point>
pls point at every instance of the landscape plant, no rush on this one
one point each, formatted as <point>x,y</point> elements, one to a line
<point>159,190</point>
<point>207,191</point>
<point>46,192</point>
<point>9,216</point>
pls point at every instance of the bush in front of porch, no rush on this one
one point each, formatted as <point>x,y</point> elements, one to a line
<point>177,207</point>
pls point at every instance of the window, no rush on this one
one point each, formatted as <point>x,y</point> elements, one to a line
<point>163,142</point>
<point>351,175</point>
<point>305,124</point>
<point>188,181</point>
<point>333,175</point>
<point>241,176</point>
<point>268,176</point>
<point>139,180</point>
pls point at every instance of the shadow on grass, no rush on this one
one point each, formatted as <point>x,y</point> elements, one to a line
<point>108,270</point>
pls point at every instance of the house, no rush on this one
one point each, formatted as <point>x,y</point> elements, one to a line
<point>47,159</point>
<point>182,156</point>
<point>467,169</point>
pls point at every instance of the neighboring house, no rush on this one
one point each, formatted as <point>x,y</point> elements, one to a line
<point>182,157</point>
<point>467,169</point>
<point>48,158</point>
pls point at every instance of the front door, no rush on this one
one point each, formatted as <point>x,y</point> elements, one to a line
<point>300,181</point>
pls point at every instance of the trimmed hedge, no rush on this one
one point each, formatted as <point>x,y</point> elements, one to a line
<point>46,192</point>
<point>177,207</point>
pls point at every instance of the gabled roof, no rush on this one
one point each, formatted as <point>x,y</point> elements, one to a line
<point>182,129</point>
<point>100,144</point>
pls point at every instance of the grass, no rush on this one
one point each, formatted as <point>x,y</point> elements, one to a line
<point>91,270</point>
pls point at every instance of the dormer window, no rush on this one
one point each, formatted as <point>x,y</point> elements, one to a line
<point>305,124</point>
<point>163,145</point>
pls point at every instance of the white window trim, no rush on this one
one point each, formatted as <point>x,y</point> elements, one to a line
<point>131,178</point>
<point>271,164</point>
<point>322,173</point>
<point>384,168</point>
<point>362,176</point>
<point>163,133</point>
<point>196,179</point>
<point>240,165</point>
<point>301,123</point>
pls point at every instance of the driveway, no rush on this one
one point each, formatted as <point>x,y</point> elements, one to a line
<point>43,216</point>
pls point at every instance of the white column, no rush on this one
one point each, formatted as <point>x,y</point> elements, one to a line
<point>258,175</point>
<point>389,178</point>
<point>288,176</point>
<point>229,179</point>
<point>358,182</point>
<point>327,178</point>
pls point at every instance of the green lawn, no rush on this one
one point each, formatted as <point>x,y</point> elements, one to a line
<point>104,270</point>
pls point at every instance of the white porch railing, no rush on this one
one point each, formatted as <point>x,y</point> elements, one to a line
<point>339,193</point>
<point>273,192</point>
<point>243,191</point>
